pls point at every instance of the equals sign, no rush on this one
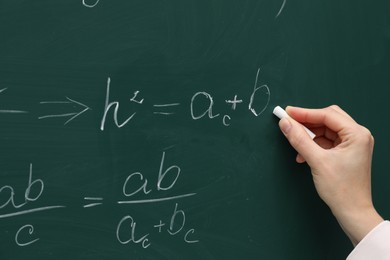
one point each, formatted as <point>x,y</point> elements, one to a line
<point>164,106</point>
<point>96,202</point>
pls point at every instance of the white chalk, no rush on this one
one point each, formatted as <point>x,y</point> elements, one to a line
<point>281,113</point>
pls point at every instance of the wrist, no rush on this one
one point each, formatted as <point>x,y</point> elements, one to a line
<point>357,224</point>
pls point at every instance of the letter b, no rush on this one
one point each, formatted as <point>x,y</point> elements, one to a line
<point>174,169</point>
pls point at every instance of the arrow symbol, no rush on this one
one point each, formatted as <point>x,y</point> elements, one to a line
<point>10,111</point>
<point>72,115</point>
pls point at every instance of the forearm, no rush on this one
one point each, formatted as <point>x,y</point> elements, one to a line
<point>357,225</point>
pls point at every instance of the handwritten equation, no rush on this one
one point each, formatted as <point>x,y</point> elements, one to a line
<point>201,106</point>
<point>130,230</point>
<point>126,231</point>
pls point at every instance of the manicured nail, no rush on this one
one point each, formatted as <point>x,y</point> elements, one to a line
<point>285,125</point>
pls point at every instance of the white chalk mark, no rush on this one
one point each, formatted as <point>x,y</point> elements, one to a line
<point>182,217</point>
<point>55,102</point>
<point>10,111</point>
<point>208,111</point>
<point>252,99</point>
<point>163,113</point>
<point>60,115</point>
<point>162,175</point>
<point>92,198</point>
<point>30,231</point>
<point>136,101</point>
<point>81,112</point>
<point>169,147</point>
<point>225,119</point>
<point>167,105</point>
<point>281,8</point>
<point>156,200</point>
<point>92,205</point>
<point>234,102</point>
<point>72,115</point>
<point>108,105</point>
<point>28,211</point>
<point>144,240</point>
<point>90,5</point>
<point>187,240</point>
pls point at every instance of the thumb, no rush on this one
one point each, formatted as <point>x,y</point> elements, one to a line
<point>299,139</point>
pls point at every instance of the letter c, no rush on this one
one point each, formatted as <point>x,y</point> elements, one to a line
<point>30,231</point>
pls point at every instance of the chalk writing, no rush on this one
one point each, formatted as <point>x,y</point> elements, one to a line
<point>234,102</point>
<point>225,120</point>
<point>202,106</point>
<point>10,111</point>
<point>164,106</point>
<point>133,99</point>
<point>172,173</point>
<point>126,230</point>
<point>137,188</point>
<point>128,225</point>
<point>258,92</point>
<point>281,9</point>
<point>174,222</point>
<point>264,90</point>
<point>208,110</point>
<point>28,197</point>
<point>29,211</point>
<point>132,236</point>
<point>94,204</point>
<point>92,4</point>
<point>156,200</point>
<point>72,115</point>
<point>198,109</point>
<point>30,229</point>
<point>108,105</point>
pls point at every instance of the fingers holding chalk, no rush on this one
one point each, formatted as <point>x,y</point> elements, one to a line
<point>299,136</point>
<point>281,113</point>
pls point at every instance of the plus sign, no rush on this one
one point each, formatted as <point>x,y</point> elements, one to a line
<point>159,226</point>
<point>234,102</point>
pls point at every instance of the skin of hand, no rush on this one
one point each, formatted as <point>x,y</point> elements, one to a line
<point>340,160</point>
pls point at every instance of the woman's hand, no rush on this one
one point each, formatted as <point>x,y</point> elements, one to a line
<point>340,161</point>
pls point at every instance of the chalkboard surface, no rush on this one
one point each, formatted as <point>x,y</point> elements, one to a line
<point>144,129</point>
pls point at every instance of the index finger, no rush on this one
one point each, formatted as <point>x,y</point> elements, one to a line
<point>332,117</point>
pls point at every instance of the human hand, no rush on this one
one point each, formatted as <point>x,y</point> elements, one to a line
<point>340,161</point>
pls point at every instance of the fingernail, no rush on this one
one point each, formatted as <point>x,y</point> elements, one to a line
<point>285,125</point>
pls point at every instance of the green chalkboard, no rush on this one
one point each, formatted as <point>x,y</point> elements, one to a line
<point>144,130</point>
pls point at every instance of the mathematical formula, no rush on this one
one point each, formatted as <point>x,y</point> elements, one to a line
<point>201,106</point>
<point>126,231</point>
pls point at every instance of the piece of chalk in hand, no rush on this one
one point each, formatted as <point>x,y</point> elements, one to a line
<point>281,113</point>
